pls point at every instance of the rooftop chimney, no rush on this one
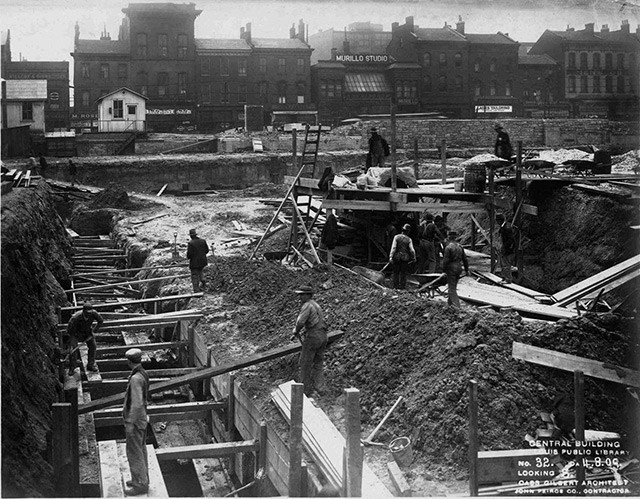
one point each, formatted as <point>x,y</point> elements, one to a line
<point>569,28</point>
<point>292,31</point>
<point>409,22</point>
<point>77,31</point>
<point>394,26</point>
<point>242,32</point>
<point>605,28</point>
<point>460,25</point>
<point>245,33</point>
<point>301,30</point>
<point>334,52</point>
<point>346,47</point>
<point>624,27</point>
<point>589,27</point>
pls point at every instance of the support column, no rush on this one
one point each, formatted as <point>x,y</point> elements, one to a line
<point>473,438</point>
<point>518,218</point>
<point>443,160</point>
<point>578,382</point>
<point>353,449</point>
<point>62,447</point>
<point>295,440</point>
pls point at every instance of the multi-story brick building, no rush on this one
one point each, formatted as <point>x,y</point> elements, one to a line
<point>357,38</point>
<point>599,70</point>
<point>537,77</point>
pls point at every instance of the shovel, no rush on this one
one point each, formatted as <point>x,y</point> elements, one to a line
<point>376,276</point>
<point>369,439</point>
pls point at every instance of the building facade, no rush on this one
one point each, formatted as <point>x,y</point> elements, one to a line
<point>122,110</point>
<point>24,104</point>
<point>357,38</point>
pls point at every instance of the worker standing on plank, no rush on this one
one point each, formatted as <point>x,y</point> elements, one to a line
<point>81,328</point>
<point>402,254</point>
<point>197,250</point>
<point>452,262</point>
<point>502,147</point>
<point>314,341</point>
<point>134,413</point>
<point>506,247</point>
<point>73,171</point>
<point>378,149</point>
<point>441,238</point>
<point>427,245</point>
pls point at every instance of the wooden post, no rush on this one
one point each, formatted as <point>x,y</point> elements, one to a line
<point>492,216</point>
<point>519,200</point>
<point>295,440</point>
<point>416,171</point>
<point>443,160</point>
<point>473,438</point>
<point>206,388</point>
<point>304,480</point>
<point>294,147</point>
<point>262,452</point>
<point>354,452</point>
<point>578,385</point>
<point>473,233</point>
<point>260,488</point>
<point>71,397</point>
<point>231,419</point>
<point>394,171</point>
<point>191,354</point>
<point>294,219</point>
<point>62,449</point>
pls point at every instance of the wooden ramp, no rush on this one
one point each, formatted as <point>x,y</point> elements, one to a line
<point>114,471</point>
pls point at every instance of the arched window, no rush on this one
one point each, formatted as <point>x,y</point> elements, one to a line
<point>584,60</point>
<point>507,88</point>
<point>608,84</point>
<point>477,89</point>
<point>596,60</point>
<point>426,59</point>
<point>443,59</point>
<point>442,84</point>
<point>492,65</point>
<point>596,84</point>
<point>620,85</point>
<point>476,66</point>
<point>608,60</point>
<point>571,60</point>
<point>282,92</point>
<point>620,61</point>
<point>492,87</point>
<point>426,84</point>
<point>572,84</point>
<point>458,83</point>
<point>300,88</point>
<point>584,84</point>
<point>457,60</point>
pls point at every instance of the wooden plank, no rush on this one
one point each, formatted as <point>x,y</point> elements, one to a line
<point>206,450</point>
<point>126,303</point>
<point>161,190</point>
<point>515,287</point>
<point>529,209</point>
<point>71,232</point>
<point>402,488</point>
<point>571,363</point>
<point>142,346</point>
<point>165,408</point>
<point>157,487</point>
<point>149,219</point>
<point>154,373</point>
<point>616,283</point>
<point>138,327</point>
<point>209,372</point>
<point>138,281</point>
<point>503,465</point>
<point>111,483</point>
<point>154,418</point>
<point>177,266</point>
<point>364,205</point>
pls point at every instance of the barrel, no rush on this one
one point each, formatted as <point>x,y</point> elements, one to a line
<point>475,178</point>
<point>402,451</point>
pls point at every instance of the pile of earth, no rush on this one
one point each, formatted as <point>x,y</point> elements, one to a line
<point>114,196</point>
<point>266,190</point>
<point>397,343</point>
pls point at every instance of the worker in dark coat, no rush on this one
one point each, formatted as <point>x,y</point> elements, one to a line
<point>402,254</point>
<point>81,327</point>
<point>506,247</point>
<point>502,147</point>
<point>378,149</point>
<point>43,166</point>
<point>427,245</point>
<point>197,250</point>
<point>453,261</point>
<point>441,238</point>
<point>313,339</point>
<point>134,413</point>
<point>73,172</point>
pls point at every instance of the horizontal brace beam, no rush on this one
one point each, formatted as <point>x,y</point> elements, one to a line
<point>121,304</point>
<point>142,346</point>
<point>139,281</point>
<point>206,451</point>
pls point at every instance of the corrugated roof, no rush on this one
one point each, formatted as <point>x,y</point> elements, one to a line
<point>222,44</point>
<point>438,35</point>
<point>536,60</point>
<point>489,38</point>
<point>101,47</point>
<point>279,43</point>
<point>26,89</point>
<point>405,65</point>
<point>366,82</point>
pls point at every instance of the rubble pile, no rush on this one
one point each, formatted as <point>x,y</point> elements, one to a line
<point>628,162</point>
<point>402,344</point>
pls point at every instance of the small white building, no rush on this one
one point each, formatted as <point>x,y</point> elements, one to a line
<point>122,110</point>
<point>24,104</point>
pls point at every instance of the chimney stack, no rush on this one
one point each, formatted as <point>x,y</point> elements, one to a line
<point>301,30</point>
<point>589,27</point>
<point>460,25</point>
<point>245,33</point>
<point>346,47</point>
<point>242,35</point>
<point>624,27</point>
<point>409,22</point>
<point>292,31</point>
<point>394,26</point>
<point>334,52</point>
<point>605,28</point>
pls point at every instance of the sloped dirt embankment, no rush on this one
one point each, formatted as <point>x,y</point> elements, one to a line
<point>34,262</point>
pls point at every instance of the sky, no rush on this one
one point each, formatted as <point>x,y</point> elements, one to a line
<point>44,29</point>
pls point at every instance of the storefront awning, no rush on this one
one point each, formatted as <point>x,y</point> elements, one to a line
<point>366,82</point>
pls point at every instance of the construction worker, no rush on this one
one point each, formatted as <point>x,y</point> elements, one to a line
<point>81,328</point>
<point>73,172</point>
<point>506,247</point>
<point>134,413</point>
<point>427,245</point>
<point>197,250</point>
<point>314,341</point>
<point>402,254</point>
<point>441,238</point>
<point>502,147</point>
<point>452,262</point>
<point>378,149</point>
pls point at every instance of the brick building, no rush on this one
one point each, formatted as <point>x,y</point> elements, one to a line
<point>538,79</point>
<point>599,70</point>
<point>357,38</point>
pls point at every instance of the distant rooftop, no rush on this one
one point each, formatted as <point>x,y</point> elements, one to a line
<point>438,35</point>
<point>499,38</point>
<point>101,47</point>
<point>279,43</point>
<point>536,60</point>
<point>222,44</point>
<point>169,8</point>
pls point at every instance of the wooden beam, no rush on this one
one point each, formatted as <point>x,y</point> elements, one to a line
<point>138,281</point>
<point>154,373</point>
<point>101,351</point>
<point>208,372</point>
<point>62,454</point>
<point>163,417</point>
<point>398,480</point>
<point>136,327</point>
<point>567,362</point>
<point>295,440</point>
<point>134,270</point>
<point>339,204</point>
<point>165,408</point>
<point>354,453</point>
<point>111,482</point>
<point>121,304</point>
<point>473,438</point>
<point>206,450</point>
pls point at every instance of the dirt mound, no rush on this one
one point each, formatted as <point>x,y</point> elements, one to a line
<point>400,344</point>
<point>267,190</point>
<point>114,196</point>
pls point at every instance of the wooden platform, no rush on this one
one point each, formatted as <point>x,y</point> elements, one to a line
<point>114,470</point>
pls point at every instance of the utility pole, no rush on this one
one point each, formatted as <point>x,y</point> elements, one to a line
<point>394,171</point>
<point>518,217</point>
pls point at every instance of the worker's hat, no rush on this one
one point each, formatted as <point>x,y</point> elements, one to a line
<point>134,355</point>
<point>374,129</point>
<point>406,227</point>
<point>303,290</point>
<point>428,216</point>
<point>87,306</point>
<point>192,232</point>
<point>452,234</point>
<point>499,216</point>
<point>497,126</point>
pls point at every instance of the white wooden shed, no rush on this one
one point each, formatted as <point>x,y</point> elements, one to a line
<point>122,110</point>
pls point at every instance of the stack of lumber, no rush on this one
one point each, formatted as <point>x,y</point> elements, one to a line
<point>324,443</point>
<point>541,297</point>
<point>606,280</point>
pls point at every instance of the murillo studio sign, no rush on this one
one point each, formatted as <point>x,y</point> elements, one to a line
<point>379,58</point>
<point>168,111</point>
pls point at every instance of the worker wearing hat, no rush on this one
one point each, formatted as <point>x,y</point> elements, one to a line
<point>452,262</point>
<point>502,147</point>
<point>378,149</point>
<point>313,339</point>
<point>197,250</point>
<point>81,327</point>
<point>426,245</point>
<point>134,413</point>
<point>402,255</point>
<point>506,247</point>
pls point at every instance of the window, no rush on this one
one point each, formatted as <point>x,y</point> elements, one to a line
<point>182,83</point>
<point>331,89</point>
<point>224,95</point>
<point>104,71</point>
<point>141,43</point>
<point>132,109</point>
<point>632,61</point>
<point>205,66</point>
<point>608,60</point>
<point>242,94</point>
<point>584,60</point>
<point>86,98</point>
<point>163,82</point>
<point>492,88</point>
<point>263,90</point>
<point>492,66</point>
<point>443,59</point>
<point>282,65</point>
<point>584,84</point>
<point>442,84</point>
<point>122,71</point>
<point>620,85</point>
<point>608,84</point>
<point>300,65</point>
<point>620,61</point>
<point>300,90</point>
<point>27,111</point>
<point>457,84</point>
<point>262,65</point>
<point>338,89</point>
<point>84,69</point>
<point>476,67</point>
<point>118,109</point>
<point>206,94</point>
<point>477,89</point>
<point>224,66</point>
<point>457,60</point>
<point>242,67</point>
<point>282,91</point>
<point>426,59</point>
<point>596,84</point>
<point>426,84</point>
<point>596,60</point>
<point>572,84</point>
<point>507,88</point>
<point>183,46</point>
<point>163,45</point>
<point>142,81</point>
<point>571,60</point>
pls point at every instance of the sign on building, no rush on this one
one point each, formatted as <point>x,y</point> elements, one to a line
<point>363,58</point>
<point>494,109</point>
